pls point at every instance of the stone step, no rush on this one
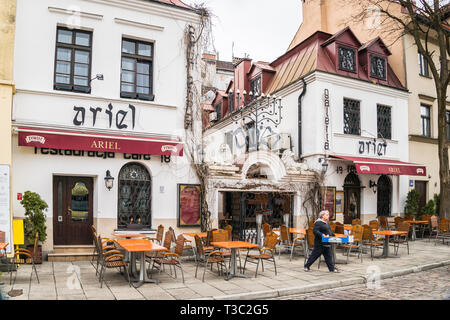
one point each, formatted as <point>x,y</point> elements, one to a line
<point>73,249</point>
<point>71,253</point>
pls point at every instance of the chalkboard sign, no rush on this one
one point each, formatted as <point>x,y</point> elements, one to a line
<point>189,205</point>
<point>328,201</point>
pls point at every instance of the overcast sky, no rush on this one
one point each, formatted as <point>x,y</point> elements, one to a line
<point>263,29</point>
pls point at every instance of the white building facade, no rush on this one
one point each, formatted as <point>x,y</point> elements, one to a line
<point>101,91</point>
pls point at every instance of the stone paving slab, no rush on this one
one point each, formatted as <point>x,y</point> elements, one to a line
<point>77,280</point>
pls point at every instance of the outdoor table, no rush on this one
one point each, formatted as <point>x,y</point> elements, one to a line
<point>234,245</point>
<point>193,234</point>
<point>387,234</point>
<point>140,246</point>
<point>293,230</point>
<point>414,223</point>
<point>333,248</point>
<point>129,235</point>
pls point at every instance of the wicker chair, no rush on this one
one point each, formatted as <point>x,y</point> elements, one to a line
<point>383,222</point>
<point>357,233</point>
<point>229,229</point>
<point>397,221</point>
<point>17,259</point>
<point>356,221</point>
<point>434,226</point>
<point>443,232</point>
<point>159,235</point>
<point>215,256</point>
<point>187,243</point>
<point>166,244</point>
<point>339,228</point>
<point>374,224</point>
<point>426,226</point>
<point>267,228</point>
<point>265,253</point>
<point>369,240</point>
<point>333,226</point>
<point>285,240</point>
<point>172,259</point>
<point>111,259</point>
<point>403,238</point>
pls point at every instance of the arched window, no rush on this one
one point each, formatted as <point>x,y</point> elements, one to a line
<point>134,209</point>
<point>384,191</point>
<point>351,180</point>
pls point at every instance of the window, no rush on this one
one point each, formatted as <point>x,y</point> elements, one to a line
<point>425,119</point>
<point>218,108</point>
<point>447,119</point>
<point>73,60</point>
<point>378,67</point>
<point>384,121</point>
<point>251,138</point>
<point>231,102</point>
<point>255,87</point>
<point>351,117</point>
<point>137,70</point>
<point>347,59</point>
<point>229,140</point>
<point>423,66</point>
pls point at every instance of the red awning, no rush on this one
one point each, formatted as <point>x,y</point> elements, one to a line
<point>381,166</point>
<point>71,140</point>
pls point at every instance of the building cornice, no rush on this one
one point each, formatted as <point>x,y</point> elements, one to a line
<point>95,98</point>
<point>138,24</point>
<point>156,8</point>
<point>81,14</point>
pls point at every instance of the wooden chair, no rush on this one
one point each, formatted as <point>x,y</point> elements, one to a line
<point>267,228</point>
<point>215,256</point>
<point>18,259</point>
<point>357,233</point>
<point>111,259</point>
<point>374,224</point>
<point>265,253</point>
<point>172,259</point>
<point>356,221</point>
<point>159,235</point>
<point>369,240</point>
<point>401,239</point>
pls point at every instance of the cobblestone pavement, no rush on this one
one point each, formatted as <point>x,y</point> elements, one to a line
<point>77,280</point>
<point>427,285</point>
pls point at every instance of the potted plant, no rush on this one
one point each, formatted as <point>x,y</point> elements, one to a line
<point>412,203</point>
<point>34,221</point>
<point>429,208</point>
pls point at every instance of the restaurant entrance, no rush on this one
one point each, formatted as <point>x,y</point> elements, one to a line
<point>72,210</point>
<point>240,210</point>
<point>352,198</point>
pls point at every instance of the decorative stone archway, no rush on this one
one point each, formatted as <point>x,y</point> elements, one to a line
<point>270,161</point>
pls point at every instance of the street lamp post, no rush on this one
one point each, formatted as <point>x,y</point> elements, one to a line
<point>261,109</point>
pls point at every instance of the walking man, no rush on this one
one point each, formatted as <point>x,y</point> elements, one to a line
<point>321,228</point>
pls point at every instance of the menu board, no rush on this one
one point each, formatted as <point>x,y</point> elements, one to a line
<point>5,216</point>
<point>189,205</point>
<point>328,201</point>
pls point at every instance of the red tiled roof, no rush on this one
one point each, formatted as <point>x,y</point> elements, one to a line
<point>224,65</point>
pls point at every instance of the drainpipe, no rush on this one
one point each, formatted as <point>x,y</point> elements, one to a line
<point>300,119</point>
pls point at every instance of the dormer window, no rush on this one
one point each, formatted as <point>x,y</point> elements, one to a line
<point>347,59</point>
<point>378,67</point>
<point>255,87</point>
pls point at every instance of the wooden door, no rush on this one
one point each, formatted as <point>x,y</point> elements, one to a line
<point>421,187</point>
<point>352,204</point>
<point>72,210</point>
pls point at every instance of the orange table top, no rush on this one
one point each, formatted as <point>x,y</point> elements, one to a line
<point>389,232</point>
<point>138,245</point>
<point>130,235</point>
<point>234,244</point>
<point>416,221</point>
<point>200,234</point>
<point>293,230</point>
<point>3,245</point>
